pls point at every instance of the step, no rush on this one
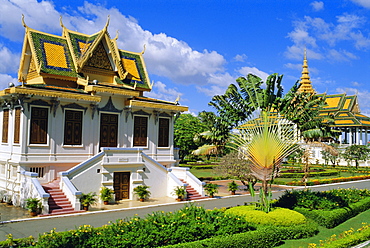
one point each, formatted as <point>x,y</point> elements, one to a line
<point>58,202</point>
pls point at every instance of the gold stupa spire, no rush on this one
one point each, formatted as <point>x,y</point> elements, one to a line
<point>305,83</point>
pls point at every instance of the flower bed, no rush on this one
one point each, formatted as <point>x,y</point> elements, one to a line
<point>330,180</point>
<point>345,239</point>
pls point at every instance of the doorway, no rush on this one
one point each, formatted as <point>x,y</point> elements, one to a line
<point>121,185</point>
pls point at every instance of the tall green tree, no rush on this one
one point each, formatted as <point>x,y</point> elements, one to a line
<point>186,127</point>
<point>215,137</point>
<point>356,153</point>
<point>240,99</point>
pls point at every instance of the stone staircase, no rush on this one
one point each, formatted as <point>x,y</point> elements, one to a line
<point>192,193</point>
<point>58,202</point>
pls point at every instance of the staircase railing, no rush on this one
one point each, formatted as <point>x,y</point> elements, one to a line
<point>70,191</point>
<point>185,174</point>
<point>35,190</point>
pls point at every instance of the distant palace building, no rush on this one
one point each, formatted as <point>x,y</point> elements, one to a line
<point>353,125</point>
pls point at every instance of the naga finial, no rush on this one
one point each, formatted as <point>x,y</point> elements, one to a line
<point>142,52</point>
<point>116,38</point>
<point>24,24</point>
<point>106,25</point>
<point>61,22</point>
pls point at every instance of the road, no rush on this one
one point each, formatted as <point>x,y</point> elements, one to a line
<point>34,227</point>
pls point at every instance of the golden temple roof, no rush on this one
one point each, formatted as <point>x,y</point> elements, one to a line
<point>80,58</point>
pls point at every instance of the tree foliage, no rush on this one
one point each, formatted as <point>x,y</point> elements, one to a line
<point>186,127</point>
<point>356,153</point>
<point>215,137</point>
<point>232,166</point>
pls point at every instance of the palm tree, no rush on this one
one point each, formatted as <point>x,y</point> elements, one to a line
<point>215,137</point>
<point>265,141</point>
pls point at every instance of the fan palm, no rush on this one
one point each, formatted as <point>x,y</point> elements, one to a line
<point>265,141</point>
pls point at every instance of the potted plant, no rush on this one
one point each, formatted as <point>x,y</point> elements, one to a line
<point>211,189</point>
<point>142,191</point>
<point>180,192</point>
<point>33,205</point>
<point>106,195</point>
<point>232,186</point>
<point>87,200</point>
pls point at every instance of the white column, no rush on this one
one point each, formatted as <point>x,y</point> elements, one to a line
<point>365,135</point>
<point>350,141</point>
<point>357,136</point>
<point>361,143</point>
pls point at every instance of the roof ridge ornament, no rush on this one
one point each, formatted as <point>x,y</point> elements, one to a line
<point>106,25</point>
<point>143,51</point>
<point>116,38</point>
<point>23,22</point>
<point>61,22</point>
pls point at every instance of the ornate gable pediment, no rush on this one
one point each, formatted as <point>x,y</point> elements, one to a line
<point>99,59</point>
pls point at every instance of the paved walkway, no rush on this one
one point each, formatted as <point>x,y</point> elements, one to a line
<point>125,209</point>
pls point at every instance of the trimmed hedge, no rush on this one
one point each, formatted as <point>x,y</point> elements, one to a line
<point>269,236</point>
<point>332,218</point>
<point>278,217</point>
<point>311,174</point>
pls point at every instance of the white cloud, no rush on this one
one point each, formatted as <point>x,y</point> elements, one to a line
<point>38,15</point>
<point>317,6</point>
<point>165,56</point>
<point>321,37</point>
<point>355,84</point>
<point>5,79</point>
<point>340,55</point>
<point>160,91</point>
<point>9,61</point>
<point>363,3</point>
<point>293,66</point>
<point>253,70</point>
<point>240,57</point>
<point>211,90</point>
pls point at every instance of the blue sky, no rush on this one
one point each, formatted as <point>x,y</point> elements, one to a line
<point>195,49</point>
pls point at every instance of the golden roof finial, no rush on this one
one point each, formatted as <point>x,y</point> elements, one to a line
<point>143,51</point>
<point>116,38</point>
<point>306,85</point>
<point>61,22</point>
<point>24,24</point>
<point>106,25</point>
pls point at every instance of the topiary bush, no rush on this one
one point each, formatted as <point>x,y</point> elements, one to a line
<point>278,217</point>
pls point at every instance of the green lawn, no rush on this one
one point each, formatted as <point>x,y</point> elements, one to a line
<point>209,172</point>
<point>355,222</point>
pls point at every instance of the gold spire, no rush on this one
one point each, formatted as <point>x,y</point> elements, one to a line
<point>306,85</point>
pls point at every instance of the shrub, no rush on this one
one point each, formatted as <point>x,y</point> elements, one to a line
<point>330,219</point>
<point>23,242</point>
<point>188,224</point>
<point>269,236</point>
<point>278,217</point>
<point>326,200</point>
